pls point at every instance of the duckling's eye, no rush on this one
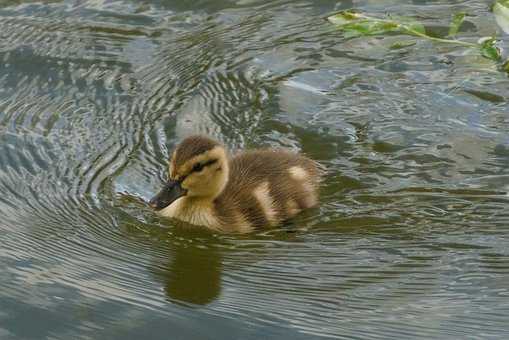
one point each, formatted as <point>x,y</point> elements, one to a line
<point>197,167</point>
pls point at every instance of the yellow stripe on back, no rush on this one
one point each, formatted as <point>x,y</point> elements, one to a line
<point>266,202</point>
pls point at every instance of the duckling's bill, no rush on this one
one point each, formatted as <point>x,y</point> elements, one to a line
<point>171,191</point>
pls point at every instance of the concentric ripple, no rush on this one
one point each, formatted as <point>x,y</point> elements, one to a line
<point>410,240</point>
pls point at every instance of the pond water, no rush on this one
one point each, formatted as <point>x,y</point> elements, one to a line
<point>411,237</point>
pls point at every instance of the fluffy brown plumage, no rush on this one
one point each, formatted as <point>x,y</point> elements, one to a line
<point>253,189</point>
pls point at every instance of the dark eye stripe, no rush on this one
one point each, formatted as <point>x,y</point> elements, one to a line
<point>197,169</point>
<point>199,166</point>
<point>212,161</point>
<point>182,178</point>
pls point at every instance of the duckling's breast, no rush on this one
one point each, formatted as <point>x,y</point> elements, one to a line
<point>194,211</point>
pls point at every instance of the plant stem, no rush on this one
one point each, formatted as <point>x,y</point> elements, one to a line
<point>450,41</point>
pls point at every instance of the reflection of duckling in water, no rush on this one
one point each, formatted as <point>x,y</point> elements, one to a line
<point>192,274</point>
<point>250,190</point>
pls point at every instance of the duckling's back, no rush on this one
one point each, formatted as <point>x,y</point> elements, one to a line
<point>267,187</point>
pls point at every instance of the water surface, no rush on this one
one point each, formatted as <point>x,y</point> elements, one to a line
<point>411,238</point>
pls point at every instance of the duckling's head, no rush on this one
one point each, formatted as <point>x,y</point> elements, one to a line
<point>198,169</point>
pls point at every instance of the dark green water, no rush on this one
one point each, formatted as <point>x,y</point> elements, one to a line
<point>411,238</point>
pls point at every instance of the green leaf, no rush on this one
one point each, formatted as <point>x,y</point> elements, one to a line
<point>415,27</point>
<point>489,48</point>
<point>501,12</point>
<point>409,25</point>
<point>344,17</point>
<point>457,20</point>
<point>402,44</point>
<point>356,24</point>
<point>369,27</point>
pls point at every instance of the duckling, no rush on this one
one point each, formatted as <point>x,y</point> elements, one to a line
<point>251,190</point>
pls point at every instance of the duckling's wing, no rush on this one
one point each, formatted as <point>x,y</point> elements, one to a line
<point>266,187</point>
